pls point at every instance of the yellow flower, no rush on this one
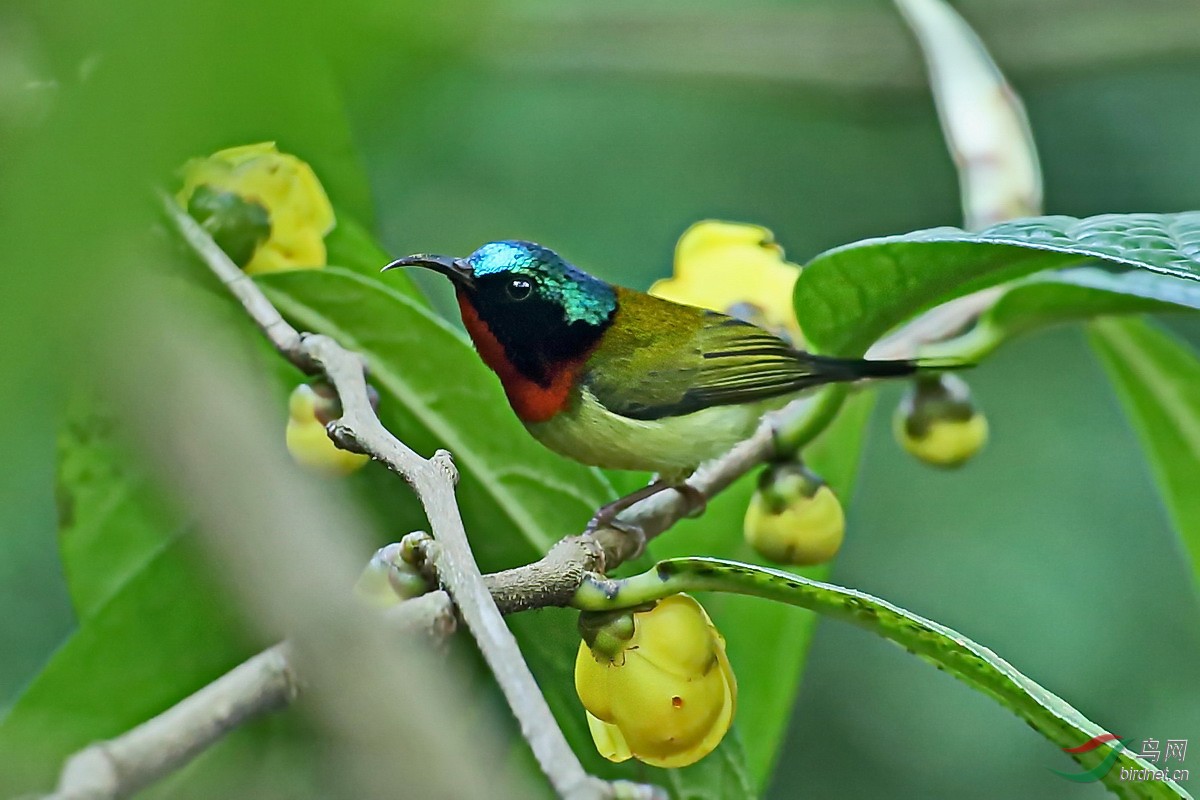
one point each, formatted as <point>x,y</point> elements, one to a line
<point>794,517</point>
<point>736,269</point>
<point>229,191</point>
<point>307,440</point>
<point>656,684</point>
<point>938,423</point>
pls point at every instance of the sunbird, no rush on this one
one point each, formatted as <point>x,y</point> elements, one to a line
<point>617,378</point>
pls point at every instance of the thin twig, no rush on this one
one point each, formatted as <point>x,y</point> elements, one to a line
<point>266,682</point>
<point>433,481</point>
<point>137,758</point>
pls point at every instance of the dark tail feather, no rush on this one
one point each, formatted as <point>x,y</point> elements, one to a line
<point>836,370</point>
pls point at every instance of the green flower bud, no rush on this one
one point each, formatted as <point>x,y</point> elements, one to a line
<point>607,633</point>
<point>794,517</point>
<point>938,423</point>
<point>388,579</point>
<point>656,683</point>
<point>237,225</point>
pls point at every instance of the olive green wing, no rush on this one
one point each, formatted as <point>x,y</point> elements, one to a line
<point>661,359</point>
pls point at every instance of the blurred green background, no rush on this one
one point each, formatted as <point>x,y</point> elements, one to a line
<point>604,131</point>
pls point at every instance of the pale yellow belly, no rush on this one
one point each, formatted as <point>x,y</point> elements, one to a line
<point>672,446</point>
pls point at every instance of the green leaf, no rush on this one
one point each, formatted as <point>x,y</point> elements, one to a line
<point>721,775</point>
<point>1157,380</point>
<point>156,639</point>
<point>352,246</point>
<point>767,645</point>
<point>152,628</point>
<point>846,298</point>
<point>111,520</point>
<point>947,649</point>
<point>771,694</point>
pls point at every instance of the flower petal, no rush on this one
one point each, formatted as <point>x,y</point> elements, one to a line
<point>675,636</point>
<point>592,682</point>
<point>733,267</point>
<point>669,721</point>
<point>608,740</point>
<point>286,187</point>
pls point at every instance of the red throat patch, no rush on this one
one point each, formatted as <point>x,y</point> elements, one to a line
<point>531,401</point>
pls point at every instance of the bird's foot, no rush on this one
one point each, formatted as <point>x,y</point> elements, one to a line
<point>608,512</point>
<point>696,500</point>
<point>606,515</point>
<point>608,520</point>
<point>633,532</point>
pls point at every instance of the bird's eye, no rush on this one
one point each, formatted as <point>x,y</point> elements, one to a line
<point>519,288</point>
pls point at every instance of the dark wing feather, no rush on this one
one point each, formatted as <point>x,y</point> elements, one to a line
<point>743,363</point>
<point>661,359</point>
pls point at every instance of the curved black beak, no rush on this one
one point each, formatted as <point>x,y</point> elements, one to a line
<point>456,269</point>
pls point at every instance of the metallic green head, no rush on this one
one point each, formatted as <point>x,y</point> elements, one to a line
<point>542,310</point>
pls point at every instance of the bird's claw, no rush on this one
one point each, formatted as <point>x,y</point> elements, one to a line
<point>601,519</point>
<point>632,530</point>
<point>697,501</point>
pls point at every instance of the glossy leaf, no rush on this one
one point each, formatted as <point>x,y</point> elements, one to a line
<point>846,298</point>
<point>1084,292</point>
<point>947,649</point>
<point>1070,295</point>
<point>767,644</point>
<point>1157,379</point>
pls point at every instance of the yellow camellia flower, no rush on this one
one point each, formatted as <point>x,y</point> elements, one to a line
<point>656,683</point>
<point>794,517</point>
<point>738,270</point>
<point>307,441</point>
<point>938,423</point>
<point>230,191</point>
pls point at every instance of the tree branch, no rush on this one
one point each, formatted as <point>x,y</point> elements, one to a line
<point>266,682</point>
<point>433,481</point>
<point>120,767</point>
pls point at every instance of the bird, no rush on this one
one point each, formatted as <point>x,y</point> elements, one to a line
<point>616,378</point>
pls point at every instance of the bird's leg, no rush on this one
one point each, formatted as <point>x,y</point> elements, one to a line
<point>696,500</point>
<point>607,513</point>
